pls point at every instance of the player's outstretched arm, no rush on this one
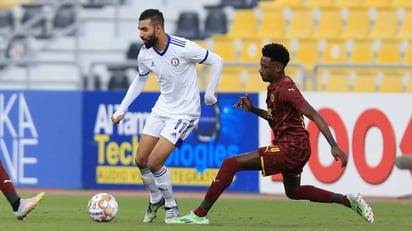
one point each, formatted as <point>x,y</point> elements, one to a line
<point>246,104</point>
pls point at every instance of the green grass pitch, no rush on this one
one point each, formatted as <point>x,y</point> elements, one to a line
<point>68,212</point>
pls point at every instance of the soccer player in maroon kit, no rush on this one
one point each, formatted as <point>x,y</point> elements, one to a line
<point>290,149</point>
<point>21,207</point>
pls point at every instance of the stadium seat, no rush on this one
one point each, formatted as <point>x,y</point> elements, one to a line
<point>118,78</point>
<point>215,23</point>
<point>251,50</point>
<point>227,48</point>
<point>6,21</point>
<point>273,24</point>
<point>393,81</point>
<point>10,4</point>
<point>237,4</point>
<point>409,82</point>
<point>231,80</point>
<point>188,25</point>
<point>365,80</point>
<point>64,17</point>
<point>386,23</point>
<point>401,3</point>
<point>244,24</point>
<point>152,83</point>
<point>305,51</point>
<point>133,50</point>
<point>336,80</point>
<point>300,22</point>
<point>334,51</point>
<point>282,3</point>
<point>408,54</point>
<point>357,23</point>
<point>376,3</point>
<point>405,31</point>
<point>349,3</point>
<point>329,24</point>
<point>31,11</point>
<point>390,51</point>
<point>362,51</point>
<point>254,83</point>
<point>319,3</point>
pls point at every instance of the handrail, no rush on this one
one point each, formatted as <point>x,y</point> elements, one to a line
<point>29,62</point>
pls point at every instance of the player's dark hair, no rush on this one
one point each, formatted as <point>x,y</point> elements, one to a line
<point>155,16</point>
<point>276,52</point>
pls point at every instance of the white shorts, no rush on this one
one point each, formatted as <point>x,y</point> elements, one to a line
<point>176,130</point>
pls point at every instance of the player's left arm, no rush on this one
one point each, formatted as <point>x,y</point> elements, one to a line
<point>201,55</point>
<point>314,115</point>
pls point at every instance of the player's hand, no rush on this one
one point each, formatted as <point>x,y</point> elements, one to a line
<point>244,102</point>
<point>210,99</point>
<point>339,156</point>
<point>116,120</point>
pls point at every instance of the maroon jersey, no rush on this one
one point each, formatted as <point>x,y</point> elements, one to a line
<point>283,103</point>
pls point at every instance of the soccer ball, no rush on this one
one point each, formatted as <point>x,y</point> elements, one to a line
<point>102,207</point>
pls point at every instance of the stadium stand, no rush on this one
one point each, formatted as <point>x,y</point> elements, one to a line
<point>336,45</point>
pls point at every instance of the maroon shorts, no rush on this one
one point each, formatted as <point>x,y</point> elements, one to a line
<point>281,158</point>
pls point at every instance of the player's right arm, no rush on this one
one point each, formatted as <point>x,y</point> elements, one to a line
<point>134,90</point>
<point>246,104</point>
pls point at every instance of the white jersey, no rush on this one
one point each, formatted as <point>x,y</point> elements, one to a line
<point>175,68</point>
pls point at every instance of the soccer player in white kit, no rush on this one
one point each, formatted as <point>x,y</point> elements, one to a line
<point>177,110</point>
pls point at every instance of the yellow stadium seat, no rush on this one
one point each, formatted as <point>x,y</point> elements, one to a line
<point>362,51</point>
<point>301,23</point>
<point>357,23</point>
<point>227,48</point>
<point>273,24</point>
<point>386,24</point>
<point>9,4</point>
<point>408,54</point>
<point>280,3</point>
<point>393,81</point>
<point>405,31</point>
<point>349,3</point>
<point>330,23</point>
<point>401,3</point>
<point>409,84</point>
<point>335,51</point>
<point>377,3</point>
<point>244,24</point>
<point>305,51</point>
<point>251,50</point>
<point>319,3</point>
<point>254,81</point>
<point>365,81</point>
<point>231,80</point>
<point>333,79</point>
<point>390,51</point>
<point>152,83</point>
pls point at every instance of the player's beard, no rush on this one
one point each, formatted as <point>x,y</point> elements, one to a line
<point>151,42</point>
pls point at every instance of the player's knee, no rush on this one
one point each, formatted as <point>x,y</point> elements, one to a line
<point>140,162</point>
<point>291,194</point>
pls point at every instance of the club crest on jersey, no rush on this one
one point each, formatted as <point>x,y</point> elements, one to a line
<point>174,61</point>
